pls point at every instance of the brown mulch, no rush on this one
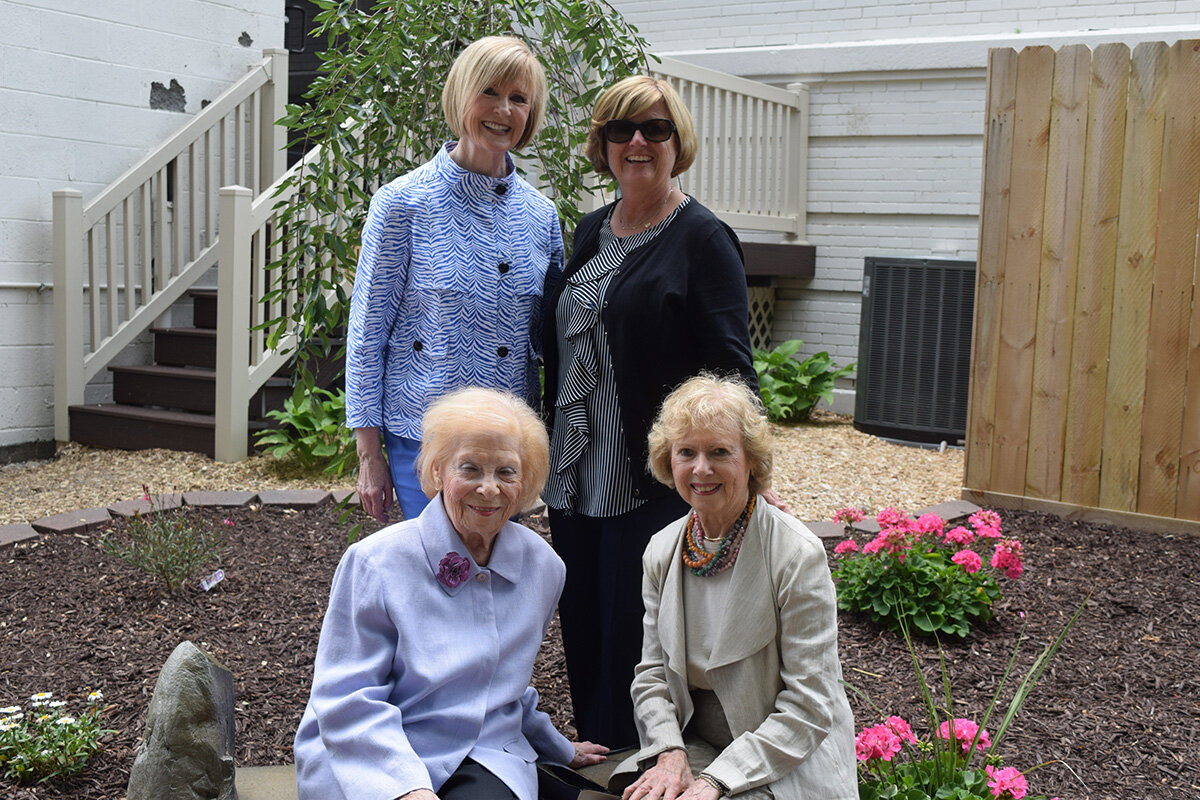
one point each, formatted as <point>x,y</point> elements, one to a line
<point>1118,710</point>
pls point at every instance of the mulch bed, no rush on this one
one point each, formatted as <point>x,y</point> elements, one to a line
<point>1118,710</point>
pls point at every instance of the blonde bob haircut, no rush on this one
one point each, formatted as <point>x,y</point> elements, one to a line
<point>477,410</point>
<point>708,401</point>
<point>492,61</point>
<point>633,96</point>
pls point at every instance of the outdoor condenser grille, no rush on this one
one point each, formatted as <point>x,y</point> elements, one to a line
<point>914,348</point>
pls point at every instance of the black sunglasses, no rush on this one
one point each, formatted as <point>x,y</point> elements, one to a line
<point>653,130</point>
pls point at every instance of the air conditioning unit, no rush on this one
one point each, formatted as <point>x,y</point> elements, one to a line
<point>914,348</point>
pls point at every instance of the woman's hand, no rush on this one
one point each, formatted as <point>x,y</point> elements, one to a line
<point>418,794</point>
<point>587,754</point>
<point>669,778</point>
<point>774,499</point>
<point>374,484</point>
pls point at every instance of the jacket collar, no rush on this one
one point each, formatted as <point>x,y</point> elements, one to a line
<point>750,619</point>
<point>472,184</point>
<point>438,538</point>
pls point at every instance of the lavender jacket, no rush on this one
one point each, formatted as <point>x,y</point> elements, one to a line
<point>413,676</point>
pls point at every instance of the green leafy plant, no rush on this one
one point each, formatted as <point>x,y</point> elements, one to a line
<point>45,742</point>
<point>312,431</point>
<point>958,760</point>
<point>916,573</point>
<point>790,388</point>
<point>168,544</point>
<point>375,111</point>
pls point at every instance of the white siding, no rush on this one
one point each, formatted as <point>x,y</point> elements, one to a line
<point>75,86</point>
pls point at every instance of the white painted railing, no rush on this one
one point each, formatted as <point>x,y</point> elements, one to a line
<point>751,168</point>
<point>149,236</point>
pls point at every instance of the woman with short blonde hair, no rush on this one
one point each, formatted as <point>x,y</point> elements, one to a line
<point>458,241</point>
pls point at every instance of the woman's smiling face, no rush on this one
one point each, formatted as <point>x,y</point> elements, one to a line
<point>711,472</point>
<point>481,482</point>
<point>639,165</point>
<point>495,120</point>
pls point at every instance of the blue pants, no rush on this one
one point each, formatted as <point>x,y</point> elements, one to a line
<point>402,459</point>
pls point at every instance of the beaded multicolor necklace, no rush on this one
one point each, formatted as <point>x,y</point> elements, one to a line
<point>703,563</point>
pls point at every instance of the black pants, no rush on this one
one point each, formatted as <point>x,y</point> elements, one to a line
<point>472,782</point>
<point>601,612</point>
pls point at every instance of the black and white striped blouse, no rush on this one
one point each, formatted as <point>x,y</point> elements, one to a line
<point>590,469</point>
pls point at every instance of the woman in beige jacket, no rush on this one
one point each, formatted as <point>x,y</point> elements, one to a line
<point>738,691</point>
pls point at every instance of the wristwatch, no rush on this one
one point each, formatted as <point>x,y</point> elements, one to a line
<point>722,789</point>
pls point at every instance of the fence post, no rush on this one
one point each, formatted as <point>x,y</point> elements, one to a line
<point>273,136</point>
<point>797,203</point>
<point>233,321</point>
<point>68,308</point>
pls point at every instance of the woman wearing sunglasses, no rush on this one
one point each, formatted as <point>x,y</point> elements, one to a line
<point>655,292</point>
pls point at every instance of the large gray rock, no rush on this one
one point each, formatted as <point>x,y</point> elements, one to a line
<point>187,753</point>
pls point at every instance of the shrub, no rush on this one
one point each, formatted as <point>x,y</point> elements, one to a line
<point>46,742</point>
<point>312,431</point>
<point>167,544</point>
<point>916,573</point>
<point>790,388</point>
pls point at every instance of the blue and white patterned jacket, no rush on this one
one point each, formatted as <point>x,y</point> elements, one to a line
<point>448,292</point>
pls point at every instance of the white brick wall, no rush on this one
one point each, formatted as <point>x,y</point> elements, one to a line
<point>679,25</point>
<point>897,101</point>
<point>75,82</point>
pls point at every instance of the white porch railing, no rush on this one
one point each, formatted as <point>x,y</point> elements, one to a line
<point>149,236</point>
<point>751,169</point>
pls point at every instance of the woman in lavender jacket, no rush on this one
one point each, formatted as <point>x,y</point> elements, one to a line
<point>421,680</point>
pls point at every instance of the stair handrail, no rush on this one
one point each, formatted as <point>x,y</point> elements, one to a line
<point>148,237</point>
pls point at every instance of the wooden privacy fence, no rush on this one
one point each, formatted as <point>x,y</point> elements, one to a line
<point>1085,375</point>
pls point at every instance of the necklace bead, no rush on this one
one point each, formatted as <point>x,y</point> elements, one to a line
<point>703,563</point>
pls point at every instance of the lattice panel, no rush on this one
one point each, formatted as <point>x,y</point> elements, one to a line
<point>762,315</point>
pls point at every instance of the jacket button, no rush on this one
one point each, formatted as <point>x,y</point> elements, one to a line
<point>417,345</point>
<point>605,304</point>
<point>503,267</point>
<point>502,351</point>
<point>637,493</point>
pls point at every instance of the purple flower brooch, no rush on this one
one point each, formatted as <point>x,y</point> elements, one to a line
<point>453,569</point>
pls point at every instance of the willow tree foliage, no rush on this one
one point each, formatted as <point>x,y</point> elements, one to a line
<point>375,113</point>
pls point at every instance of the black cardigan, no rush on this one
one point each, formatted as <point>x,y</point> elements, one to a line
<point>676,306</point>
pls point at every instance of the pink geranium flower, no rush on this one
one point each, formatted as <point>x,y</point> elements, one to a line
<point>890,517</point>
<point>986,523</point>
<point>963,732</point>
<point>1008,558</point>
<point>969,560</point>
<point>902,729</point>
<point>848,515</point>
<point>846,546</point>
<point>930,523</point>
<point>959,537</point>
<point>877,741</point>
<point>1007,781</point>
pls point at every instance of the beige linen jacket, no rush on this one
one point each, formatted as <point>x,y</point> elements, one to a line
<point>774,665</point>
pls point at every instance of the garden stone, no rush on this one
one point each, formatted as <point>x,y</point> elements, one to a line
<point>187,752</point>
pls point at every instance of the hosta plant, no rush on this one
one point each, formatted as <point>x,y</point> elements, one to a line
<point>312,431</point>
<point>918,573</point>
<point>791,388</point>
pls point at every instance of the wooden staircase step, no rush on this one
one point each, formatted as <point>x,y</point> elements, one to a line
<point>187,389</point>
<point>185,347</point>
<point>125,427</point>
<point>204,308</point>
